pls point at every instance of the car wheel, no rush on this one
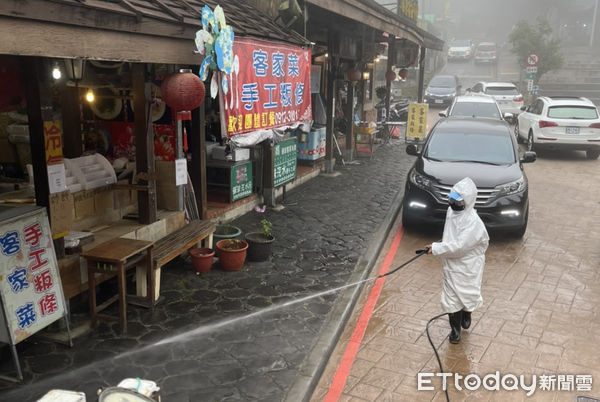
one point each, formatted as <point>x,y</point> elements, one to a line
<point>592,154</point>
<point>517,136</point>
<point>530,142</point>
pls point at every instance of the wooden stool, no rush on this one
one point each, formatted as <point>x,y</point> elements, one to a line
<point>116,256</point>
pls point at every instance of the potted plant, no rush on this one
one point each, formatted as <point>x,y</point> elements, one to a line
<point>202,258</point>
<point>259,243</point>
<point>232,253</point>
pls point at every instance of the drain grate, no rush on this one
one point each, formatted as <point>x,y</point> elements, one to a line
<point>586,399</point>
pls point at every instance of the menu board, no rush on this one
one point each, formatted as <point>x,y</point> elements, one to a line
<point>286,161</point>
<point>30,286</point>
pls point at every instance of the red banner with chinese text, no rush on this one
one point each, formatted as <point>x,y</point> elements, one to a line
<point>271,87</point>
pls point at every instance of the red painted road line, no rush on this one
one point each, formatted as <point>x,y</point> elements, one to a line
<point>341,375</point>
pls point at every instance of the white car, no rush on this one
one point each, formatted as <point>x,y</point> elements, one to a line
<point>475,105</point>
<point>560,123</point>
<point>506,94</point>
<point>460,50</point>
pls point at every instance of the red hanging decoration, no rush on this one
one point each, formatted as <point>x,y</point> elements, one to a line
<point>403,73</point>
<point>353,74</point>
<point>390,75</point>
<point>185,143</point>
<point>183,91</point>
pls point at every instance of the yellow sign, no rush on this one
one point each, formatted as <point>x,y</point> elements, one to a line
<point>416,125</point>
<point>410,9</point>
<point>53,142</point>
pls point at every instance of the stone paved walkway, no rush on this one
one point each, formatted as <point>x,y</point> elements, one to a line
<point>541,304</point>
<point>225,335</point>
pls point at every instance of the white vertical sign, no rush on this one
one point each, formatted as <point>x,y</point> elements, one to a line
<point>180,172</point>
<point>30,286</point>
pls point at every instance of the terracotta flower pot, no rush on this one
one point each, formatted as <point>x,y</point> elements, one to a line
<point>232,254</point>
<point>202,258</point>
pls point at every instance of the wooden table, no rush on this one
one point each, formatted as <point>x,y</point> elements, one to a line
<point>117,256</point>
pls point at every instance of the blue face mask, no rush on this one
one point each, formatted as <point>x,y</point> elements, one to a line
<point>456,201</point>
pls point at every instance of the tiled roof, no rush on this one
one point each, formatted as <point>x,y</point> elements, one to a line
<point>245,19</point>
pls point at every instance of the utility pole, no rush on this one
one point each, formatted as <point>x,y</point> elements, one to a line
<point>594,20</point>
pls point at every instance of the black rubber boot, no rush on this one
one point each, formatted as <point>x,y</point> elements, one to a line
<point>466,319</point>
<point>455,319</point>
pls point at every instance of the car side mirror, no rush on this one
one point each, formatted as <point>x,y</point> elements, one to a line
<point>443,113</point>
<point>411,149</point>
<point>508,116</point>
<point>529,157</point>
<point>523,108</point>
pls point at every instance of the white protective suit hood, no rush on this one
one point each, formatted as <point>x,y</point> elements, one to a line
<point>462,249</point>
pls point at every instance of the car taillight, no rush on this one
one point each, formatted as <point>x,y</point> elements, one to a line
<point>544,123</point>
<point>518,99</point>
<point>595,125</point>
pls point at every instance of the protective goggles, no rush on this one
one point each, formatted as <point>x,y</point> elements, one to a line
<point>456,202</point>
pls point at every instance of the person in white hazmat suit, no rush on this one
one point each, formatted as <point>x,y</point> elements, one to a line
<point>462,250</point>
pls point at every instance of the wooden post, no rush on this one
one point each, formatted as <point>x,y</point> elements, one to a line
<point>421,75</point>
<point>268,157</point>
<point>144,143</point>
<point>197,145</point>
<point>71,111</point>
<point>330,154</point>
<point>388,84</point>
<point>37,99</point>
<point>349,112</point>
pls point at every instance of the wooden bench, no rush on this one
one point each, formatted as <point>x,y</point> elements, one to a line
<point>178,242</point>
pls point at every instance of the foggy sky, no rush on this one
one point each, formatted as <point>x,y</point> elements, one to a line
<point>492,20</point>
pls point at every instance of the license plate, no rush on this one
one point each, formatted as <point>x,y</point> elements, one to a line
<point>439,101</point>
<point>572,130</point>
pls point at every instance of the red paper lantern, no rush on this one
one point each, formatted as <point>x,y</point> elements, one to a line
<point>403,73</point>
<point>390,75</point>
<point>353,75</point>
<point>183,91</point>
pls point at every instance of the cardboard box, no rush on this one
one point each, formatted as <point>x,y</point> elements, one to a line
<point>84,203</point>
<point>103,200</point>
<point>61,212</point>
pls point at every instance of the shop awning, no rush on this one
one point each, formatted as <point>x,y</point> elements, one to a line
<point>371,13</point>
<point>154,31</point>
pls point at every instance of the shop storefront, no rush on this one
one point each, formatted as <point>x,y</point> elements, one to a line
<point>87,132</point>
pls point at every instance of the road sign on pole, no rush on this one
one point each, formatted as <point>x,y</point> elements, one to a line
<point>533,59</point>
<point>531,69</point>
<point>530,76</point>
<point>529,85</point>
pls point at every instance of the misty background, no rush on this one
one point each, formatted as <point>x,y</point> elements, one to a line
<point>492,20</point>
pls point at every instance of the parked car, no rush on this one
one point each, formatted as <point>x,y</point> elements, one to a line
<point>506,94</point>
<point>486,52</point>
<point>460,50</point>
<point>442,89</point>
<point>484,150</point>
<point>560,123</point>
<point>482,106</point>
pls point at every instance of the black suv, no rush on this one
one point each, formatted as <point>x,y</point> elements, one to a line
<point>484,150</point>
